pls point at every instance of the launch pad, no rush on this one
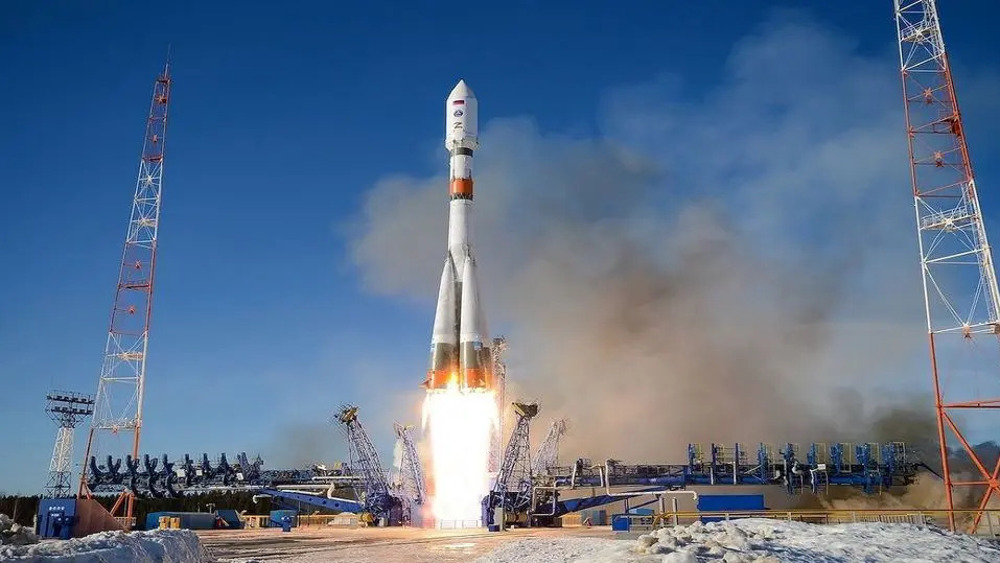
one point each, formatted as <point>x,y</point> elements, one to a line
<point>521,487</point>
<point>389,545</point>
<point>467,482</point>
<point>531,488</point>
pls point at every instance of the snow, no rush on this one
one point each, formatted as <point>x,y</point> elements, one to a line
<point>160,546</point>
<point>12,533</point>
<point>738,541</point>
<point>757,540</point>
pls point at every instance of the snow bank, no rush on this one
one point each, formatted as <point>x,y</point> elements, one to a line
<point>159,546</point>
<point>757,540</point>
<point>12,533</point>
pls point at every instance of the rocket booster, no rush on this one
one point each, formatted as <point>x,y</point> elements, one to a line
<point>460,352</point>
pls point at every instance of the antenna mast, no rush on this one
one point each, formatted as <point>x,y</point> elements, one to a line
<point>960,284</point>
<point>118,404</point>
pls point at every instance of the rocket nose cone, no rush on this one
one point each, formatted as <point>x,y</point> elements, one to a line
<point>460,91</point>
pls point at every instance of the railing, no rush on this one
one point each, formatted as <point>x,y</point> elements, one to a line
<point>127,523</point>
<point>315,520</point>
<point>989,525</point>
<point>955,218</point>
<point>457,524</point>
<point>251,521</point>
<point>254,520</point>
<point>329,520</point>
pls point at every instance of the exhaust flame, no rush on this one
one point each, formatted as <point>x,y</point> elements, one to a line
<point>460,425</point>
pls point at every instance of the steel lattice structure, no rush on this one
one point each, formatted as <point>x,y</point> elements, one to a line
<point>66,410</point>
<point>547,456</point>
<point>378,499</point>
<point>408,479</point>
<point>118,407</point>
<point>959,280</point>
<point>512,489</point>
<point>500,386</point>
<point>411,471</point>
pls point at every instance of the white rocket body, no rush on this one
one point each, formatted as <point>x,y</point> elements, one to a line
<point>460,354</point>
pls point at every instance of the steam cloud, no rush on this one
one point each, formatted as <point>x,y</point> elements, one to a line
<point>739,267</point>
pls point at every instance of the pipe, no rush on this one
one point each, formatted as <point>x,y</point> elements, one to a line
<point>302,486</point>
<point>694,495</point>
<point>554,496</point>
<point>607,488</point>
<point>607,492</point>
<point>297,492</point>
<point>337,478</point>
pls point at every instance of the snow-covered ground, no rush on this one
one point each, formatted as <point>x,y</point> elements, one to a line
<point>12,533</point>
<point>739,541</point>
<point>159,546</point>
<point>758,540</point>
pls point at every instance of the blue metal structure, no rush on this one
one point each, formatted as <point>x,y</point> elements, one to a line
<point>229,519</point>
<point>377,499</point>
<point>188,520</point>
<point>512,489</point>
<point>729,503</point>
<point>523,496</point>
<point>869,467</point>
<point>164,478</point>
<point>408,483</point>
<point>56,518</point>
<point>152,477</point>
<point>294,500</point>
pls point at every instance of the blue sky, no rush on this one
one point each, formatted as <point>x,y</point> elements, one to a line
<point>286,120</point>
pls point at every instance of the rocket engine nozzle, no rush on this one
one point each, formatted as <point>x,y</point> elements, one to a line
<point>464,380</point>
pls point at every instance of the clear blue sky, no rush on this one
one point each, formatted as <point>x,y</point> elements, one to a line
<point>283,116</point>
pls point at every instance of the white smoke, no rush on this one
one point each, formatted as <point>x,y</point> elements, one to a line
<point>740,266</point>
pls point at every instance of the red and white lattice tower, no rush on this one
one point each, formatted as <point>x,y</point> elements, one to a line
<point>960,284</point>
<point>118,403</point>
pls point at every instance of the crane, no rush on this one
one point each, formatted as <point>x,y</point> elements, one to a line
<point>512,490</point>
<point>547,455</point>
<point>409,473</point>
<point>378,500</point>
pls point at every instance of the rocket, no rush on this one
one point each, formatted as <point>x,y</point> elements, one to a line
<point>460,344</point>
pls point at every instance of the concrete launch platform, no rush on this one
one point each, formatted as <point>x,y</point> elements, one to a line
<point>389,545</point>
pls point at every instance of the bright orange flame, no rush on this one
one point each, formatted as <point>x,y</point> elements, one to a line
<point>460,425</point>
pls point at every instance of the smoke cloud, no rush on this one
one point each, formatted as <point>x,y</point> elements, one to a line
<point>302,444</point>
<point>733,267</point>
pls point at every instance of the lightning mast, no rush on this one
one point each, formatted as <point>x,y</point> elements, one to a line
<point>118,404</point>
<point>66,410</point>
<point>500,384</point>
<point>960,284</point>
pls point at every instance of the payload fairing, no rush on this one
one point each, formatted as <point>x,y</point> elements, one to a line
<point>460,353</point>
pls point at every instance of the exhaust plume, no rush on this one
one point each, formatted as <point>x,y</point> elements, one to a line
<point>738,267</point>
